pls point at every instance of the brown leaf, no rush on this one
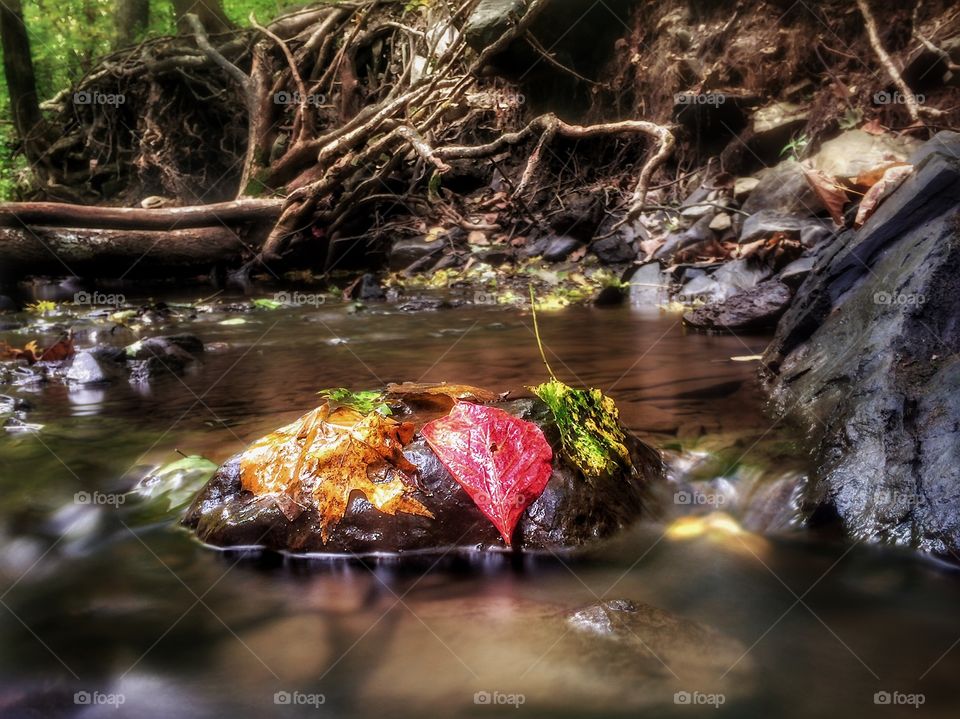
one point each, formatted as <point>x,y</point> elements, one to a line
<point>441,397</point>
<point>889,182</point>
<point>31,352</point>
<point>830,193</point>
<point>869,178</point>
<point>319,460</point>
<point>873,127</point>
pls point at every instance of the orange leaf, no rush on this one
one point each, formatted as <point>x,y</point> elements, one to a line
<point>869,178</point>
<point>830,193</point>
<point>318,461</point>
<point>880,191</point>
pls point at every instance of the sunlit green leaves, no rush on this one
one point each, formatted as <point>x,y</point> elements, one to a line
<point>590,431</point>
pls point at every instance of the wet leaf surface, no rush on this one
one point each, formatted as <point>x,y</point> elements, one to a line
<point>326,455</point>
<point>501,461</point>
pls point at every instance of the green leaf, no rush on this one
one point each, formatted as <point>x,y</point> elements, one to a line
<point>590,431</point>
<point>266,303</point>
<point>365,401</point>
<point>173,486</point>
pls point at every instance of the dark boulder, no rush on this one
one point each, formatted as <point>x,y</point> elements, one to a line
<point>867,356</point>
<point>570,512</point>
<point>754,309</point>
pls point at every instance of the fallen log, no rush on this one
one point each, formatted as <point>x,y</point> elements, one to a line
<point>118,253</point>
<point>56,214</point>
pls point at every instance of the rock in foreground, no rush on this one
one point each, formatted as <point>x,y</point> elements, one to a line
<point>867,356</point>
<point>570,512</point>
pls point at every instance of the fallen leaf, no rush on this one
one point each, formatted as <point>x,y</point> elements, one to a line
<point>501,461</point>
<point>879,192</point>
<point>869,178</point>
<point>364,402</point>
<point>873,127</point>
<point>31,352</point>
<point>439,396</point>
<point>589,425</point>
<point>319,460</point>
<point>476,237</point>
<point>830,193</point>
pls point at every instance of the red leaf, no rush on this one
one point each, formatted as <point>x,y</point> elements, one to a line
<point>501,461</point>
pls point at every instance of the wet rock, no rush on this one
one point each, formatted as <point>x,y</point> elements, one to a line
<point>648,286</point>
<point>868,357</point>
<point>613,250</point>
<point>617,657</point>
<point>743,186</point>
<point>408,251</point>
<point>494,256</point>
<point>742,274</point>
<point>768,222</point>
<point>570,512</point>
<point>87,369</point>
<point>157,356</point>
<point>609,297</point>
<point>721,222</point>
<point>370,288</point>
<point>783,190</point>
<point>856,151</point>
<point>796,272</point>
<point>559,248</point>
<point>753,309</point>
<point>489,20</point>
<point>698,234</point>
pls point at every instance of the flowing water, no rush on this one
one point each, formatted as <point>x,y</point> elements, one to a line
<point>106,605</point>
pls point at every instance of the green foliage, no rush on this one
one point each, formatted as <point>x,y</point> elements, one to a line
<point>796,147</point>
<point>266,303</point>
<point>67,38</point>
<point>365,401</point>
<point>589,425</point>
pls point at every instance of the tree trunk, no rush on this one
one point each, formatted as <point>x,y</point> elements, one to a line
<point>21,80</point>
<point>118,253</point>
<point>132,19</point>
<point>210,13</point>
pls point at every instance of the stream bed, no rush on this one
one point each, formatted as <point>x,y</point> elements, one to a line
<point>114,610</point>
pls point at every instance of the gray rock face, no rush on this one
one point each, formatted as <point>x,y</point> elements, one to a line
<point>570,512</point>
<point>407,251</point>
<point>490,19</point>
<point>753,309</point>
<point>767,222</point>
<point>867,355</point>
<point>784,190</point>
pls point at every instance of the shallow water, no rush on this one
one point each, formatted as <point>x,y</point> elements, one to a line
<point>126,606</point>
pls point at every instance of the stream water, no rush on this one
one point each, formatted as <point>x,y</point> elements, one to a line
<point>111,611</point>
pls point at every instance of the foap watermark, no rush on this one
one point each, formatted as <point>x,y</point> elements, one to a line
<point>295,98</point>
<point>99,298</point>
<point>900,699</point>
<point>699,98</point>
<point>299,299</point>
<point>699,499</point>
<point>898,298</point>
<point>895,98</point>
<point>96,698</point>
<point>95,97</point>
<point>481,297</point>
<point>699,699</point>
<point>504,99</point>
<point>301,699</point>
<point>499,699</point>
<point>114,499</point>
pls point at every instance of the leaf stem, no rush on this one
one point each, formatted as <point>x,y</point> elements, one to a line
<point>536,331</point>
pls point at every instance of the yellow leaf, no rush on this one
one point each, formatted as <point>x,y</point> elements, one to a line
<point>322,458</point>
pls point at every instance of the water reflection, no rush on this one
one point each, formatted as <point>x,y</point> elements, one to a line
<point>116,599</point>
